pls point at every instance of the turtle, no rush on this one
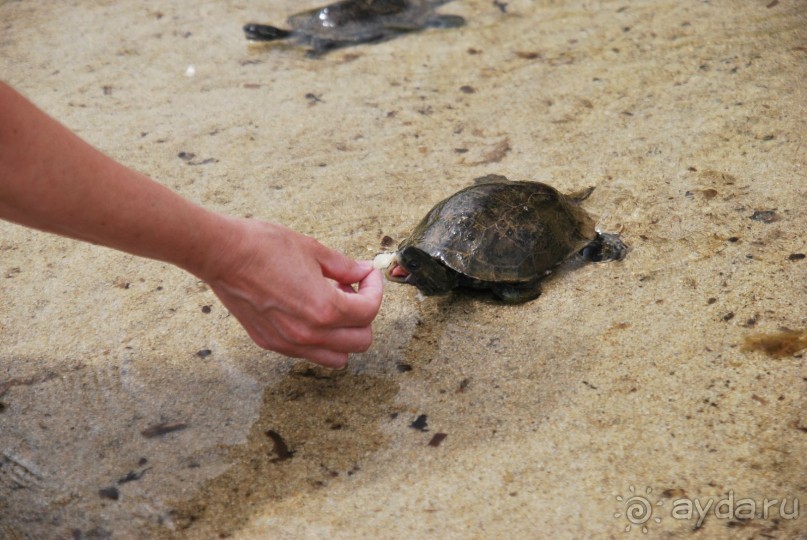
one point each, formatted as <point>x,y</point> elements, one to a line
<point>501,235</point>
<point>355,21</point>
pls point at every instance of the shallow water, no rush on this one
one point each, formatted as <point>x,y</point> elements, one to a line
<point>687,116</point>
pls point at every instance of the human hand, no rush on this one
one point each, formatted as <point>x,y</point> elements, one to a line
<point>292,294</point>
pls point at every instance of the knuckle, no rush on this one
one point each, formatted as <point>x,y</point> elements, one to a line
<point>324,314</point>
<point>310,243</point>
<point>299,334</point>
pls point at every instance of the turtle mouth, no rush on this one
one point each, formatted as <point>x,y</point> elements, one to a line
<point>396,272</point>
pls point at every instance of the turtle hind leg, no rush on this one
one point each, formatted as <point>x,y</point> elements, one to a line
<point>516,294</point>
<point>605,247</point>
<point>264,32</point>
<point>576,197</point>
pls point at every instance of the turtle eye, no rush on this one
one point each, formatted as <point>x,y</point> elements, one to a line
<point>414,265</point>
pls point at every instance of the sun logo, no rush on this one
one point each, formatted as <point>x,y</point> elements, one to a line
<point>638,509</point>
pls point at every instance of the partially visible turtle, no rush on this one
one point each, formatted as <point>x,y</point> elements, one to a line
<point>356,21</point>
<point>500,235</point>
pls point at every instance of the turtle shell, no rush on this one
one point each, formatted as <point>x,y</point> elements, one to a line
<point>363,20</point>
<point>503,231</point>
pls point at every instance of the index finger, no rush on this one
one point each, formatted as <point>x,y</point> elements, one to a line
<point>359,308</point>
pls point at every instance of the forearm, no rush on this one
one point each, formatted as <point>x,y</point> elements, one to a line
<point>52,180</point>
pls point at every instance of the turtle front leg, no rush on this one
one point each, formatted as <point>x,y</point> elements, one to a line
<point>516,294</point>
<point>320,46</point>
<point>446,21</point>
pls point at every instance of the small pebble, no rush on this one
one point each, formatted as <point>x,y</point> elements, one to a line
<point>437,439</point>
<point>765,216</point>
<point>109,493</point>
<point>420,423</point>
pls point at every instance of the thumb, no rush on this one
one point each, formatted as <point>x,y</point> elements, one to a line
<point>341,268</point>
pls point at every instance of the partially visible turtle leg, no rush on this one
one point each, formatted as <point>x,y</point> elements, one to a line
<point>576,197</point>
<point>320,46</point>
<point>264,32</point>
<point>516,294</point>
<point>446,21</point>
<point>606,247</point>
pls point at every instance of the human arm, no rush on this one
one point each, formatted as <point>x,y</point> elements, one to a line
<point>290,293</point>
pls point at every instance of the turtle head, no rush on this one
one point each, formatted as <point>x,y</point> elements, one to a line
<point>416,267</point>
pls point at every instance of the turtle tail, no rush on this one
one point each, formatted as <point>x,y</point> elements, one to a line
<point>264,32</point>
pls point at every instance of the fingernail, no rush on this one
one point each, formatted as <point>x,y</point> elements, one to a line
<point>343,366</point>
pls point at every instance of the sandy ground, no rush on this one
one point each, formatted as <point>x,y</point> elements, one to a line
<point>133,406</point>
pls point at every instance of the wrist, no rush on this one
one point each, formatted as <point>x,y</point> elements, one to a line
<point>212,241</point>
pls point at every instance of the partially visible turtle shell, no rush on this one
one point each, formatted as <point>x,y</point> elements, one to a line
<point>503,231</point>
<point>356,21</point>
<point>361,20</point>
